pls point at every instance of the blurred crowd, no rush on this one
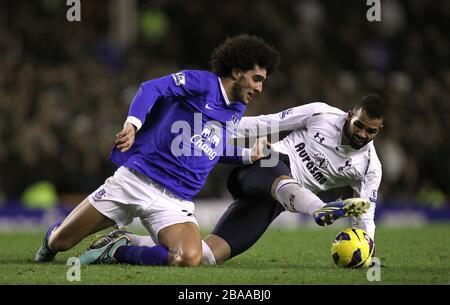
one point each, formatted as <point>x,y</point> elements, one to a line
<point>65,87</point>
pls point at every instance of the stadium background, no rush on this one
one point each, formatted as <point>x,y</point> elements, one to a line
<point>65,89</point>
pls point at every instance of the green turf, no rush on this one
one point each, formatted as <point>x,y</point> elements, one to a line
<point>409,256</point>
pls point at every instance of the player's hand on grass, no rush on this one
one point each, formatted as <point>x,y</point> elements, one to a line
<point>125,138</point>
<point>260,149</point>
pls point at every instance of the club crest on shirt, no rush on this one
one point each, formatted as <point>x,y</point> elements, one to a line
<point>347,165</point>
<point>233,124</point>
<point>235,118</point>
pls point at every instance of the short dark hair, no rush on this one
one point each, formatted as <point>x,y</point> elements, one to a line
<point>243,52</point>
<point>374,105</point>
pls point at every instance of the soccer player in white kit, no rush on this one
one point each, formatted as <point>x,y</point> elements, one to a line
<point>326,149</point>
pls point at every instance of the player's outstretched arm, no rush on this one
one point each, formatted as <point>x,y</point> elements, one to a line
<point>260,149</point>
<point>289,119</point>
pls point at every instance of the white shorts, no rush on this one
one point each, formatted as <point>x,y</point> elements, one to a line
<point>129,194</point>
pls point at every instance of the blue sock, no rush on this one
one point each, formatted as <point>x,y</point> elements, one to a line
<point>148,256</point>
<point>49,231</point>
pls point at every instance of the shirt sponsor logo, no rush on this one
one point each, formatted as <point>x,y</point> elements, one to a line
<point>179,78</point>
<point>208,140</point>
<point>312,165</point>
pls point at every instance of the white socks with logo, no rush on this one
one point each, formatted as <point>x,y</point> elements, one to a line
<point>296,198</point>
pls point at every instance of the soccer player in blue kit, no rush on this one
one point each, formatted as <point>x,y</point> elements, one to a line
<point>177,129</point>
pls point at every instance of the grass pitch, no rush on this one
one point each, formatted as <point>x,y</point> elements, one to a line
<point>409,256</point>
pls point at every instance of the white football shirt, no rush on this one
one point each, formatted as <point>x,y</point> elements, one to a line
<point>318,160</point>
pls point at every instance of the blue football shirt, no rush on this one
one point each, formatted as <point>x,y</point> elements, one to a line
<point>184,123</point>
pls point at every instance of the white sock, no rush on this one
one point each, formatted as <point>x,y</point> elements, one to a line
<point>146,241</point>
<point>296,198</point>
<point>207,255</point>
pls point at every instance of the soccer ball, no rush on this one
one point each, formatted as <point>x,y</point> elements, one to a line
<point>352,248</point>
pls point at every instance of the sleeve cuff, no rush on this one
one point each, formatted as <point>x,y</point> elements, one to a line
<point>135,121</point>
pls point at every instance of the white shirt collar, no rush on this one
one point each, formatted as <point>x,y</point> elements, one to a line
<point>339,124</point>
<point>227,100</point>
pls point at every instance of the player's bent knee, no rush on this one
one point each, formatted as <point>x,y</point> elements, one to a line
<point>275,184</point>
<point>188,258</point>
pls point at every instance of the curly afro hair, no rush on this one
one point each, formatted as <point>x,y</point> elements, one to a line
<point>243,52</point>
